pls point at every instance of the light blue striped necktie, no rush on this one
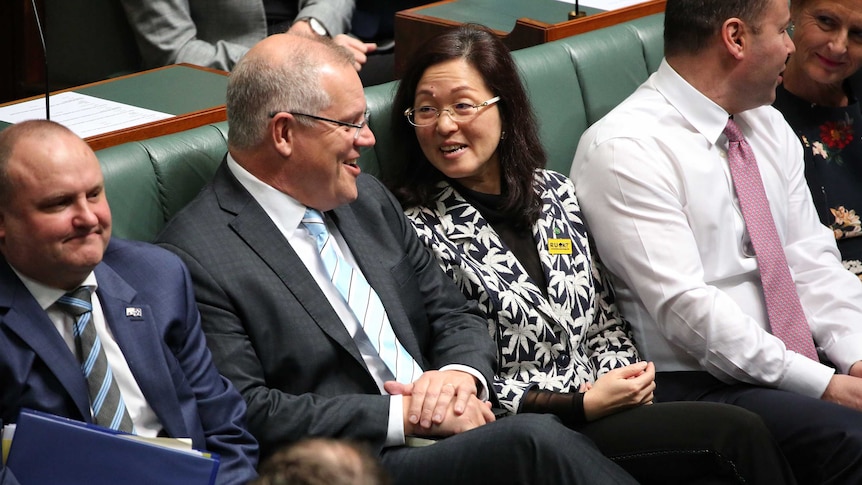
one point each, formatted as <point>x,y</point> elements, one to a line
<point>363,302</point>
<point>107,404</point>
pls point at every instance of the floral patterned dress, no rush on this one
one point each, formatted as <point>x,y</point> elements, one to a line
<point>556,342</point>
<point>832,140</point>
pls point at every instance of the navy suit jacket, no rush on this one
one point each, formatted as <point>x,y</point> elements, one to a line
<point>165,349</point>
<point>275,335</point>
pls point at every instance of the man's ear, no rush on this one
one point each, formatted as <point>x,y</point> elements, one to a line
<point>282,133</point>
<point>733,36</point>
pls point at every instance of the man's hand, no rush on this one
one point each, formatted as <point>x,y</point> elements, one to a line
<point>475,414</point>
<point>359,49</point>
<point>433,394</point>
<point>620,389</point>
<point>845,390</point>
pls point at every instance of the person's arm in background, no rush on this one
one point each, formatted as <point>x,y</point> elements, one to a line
<point>166,33</point>
<point>335,15</point>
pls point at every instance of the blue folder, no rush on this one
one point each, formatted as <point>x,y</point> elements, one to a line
<point>51,450</point>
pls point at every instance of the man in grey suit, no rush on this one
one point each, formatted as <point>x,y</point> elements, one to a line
<point>216,33</point>
<point>278,326</point>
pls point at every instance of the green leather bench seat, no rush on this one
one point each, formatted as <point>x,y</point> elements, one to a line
<point>571,82</point>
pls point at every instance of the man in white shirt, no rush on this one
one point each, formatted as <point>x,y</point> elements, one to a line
<point>300,350</point>
<point>655,185</point>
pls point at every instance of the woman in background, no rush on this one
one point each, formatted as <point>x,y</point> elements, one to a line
<point>511,235</point>
<point>820,100</point>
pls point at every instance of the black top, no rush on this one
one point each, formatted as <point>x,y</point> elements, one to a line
<point>518,239</point>
<point>832,141</point>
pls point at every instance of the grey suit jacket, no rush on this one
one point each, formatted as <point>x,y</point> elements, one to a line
<point>215,33</point>
<point>275,336</point>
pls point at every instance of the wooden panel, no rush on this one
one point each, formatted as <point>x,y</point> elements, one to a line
<point>22,71</point>
<point>413,27</point>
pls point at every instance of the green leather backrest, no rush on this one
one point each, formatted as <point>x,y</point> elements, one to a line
<point>148,181</point>
<point>379,101</point>
<point>571,82</point>
<point>555,93</point>
<point>132,190</point>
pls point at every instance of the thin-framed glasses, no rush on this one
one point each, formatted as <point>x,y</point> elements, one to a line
<point>458,112</point>
<point>358,126</point>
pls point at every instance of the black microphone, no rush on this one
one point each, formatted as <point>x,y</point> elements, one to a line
<point>44,56</point>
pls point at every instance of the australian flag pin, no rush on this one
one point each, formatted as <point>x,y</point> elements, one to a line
<point>134,313</point>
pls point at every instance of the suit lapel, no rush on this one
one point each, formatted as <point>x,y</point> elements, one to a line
<point>253,225</point>
<point>559,221</point>
<point>465,226</point>
<point>142,345</point>
<point>24,317</point>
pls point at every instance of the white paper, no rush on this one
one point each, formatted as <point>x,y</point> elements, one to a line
<point>605,4</point>
<point>84,115</point>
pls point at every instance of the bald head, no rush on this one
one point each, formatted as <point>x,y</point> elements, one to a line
<point>280,73</point>
<point>13,135</point>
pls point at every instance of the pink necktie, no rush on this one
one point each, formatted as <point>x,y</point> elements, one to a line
<point>786,317</point>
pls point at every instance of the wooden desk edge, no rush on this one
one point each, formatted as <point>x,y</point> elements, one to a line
<point>167,126</point>
<point>526,32</point>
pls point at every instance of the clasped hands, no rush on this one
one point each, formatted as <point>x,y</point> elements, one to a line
<point>441,403</point>
<point>620,389</point>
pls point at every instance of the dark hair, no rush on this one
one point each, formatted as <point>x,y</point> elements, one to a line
<point>520,151</point>
<point>322,461</point>
<point>689,24</point>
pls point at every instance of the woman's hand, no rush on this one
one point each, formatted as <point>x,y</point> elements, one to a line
<point>620,389</point>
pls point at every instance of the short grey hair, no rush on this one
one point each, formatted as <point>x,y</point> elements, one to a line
<point>261,85</point>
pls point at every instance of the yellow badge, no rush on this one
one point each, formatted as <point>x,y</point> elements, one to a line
<point>560,246</point>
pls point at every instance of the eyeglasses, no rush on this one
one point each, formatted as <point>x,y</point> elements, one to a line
<point>458,112</point>
<point>358,126</point>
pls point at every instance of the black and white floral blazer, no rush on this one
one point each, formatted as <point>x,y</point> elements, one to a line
<point>556,343</point>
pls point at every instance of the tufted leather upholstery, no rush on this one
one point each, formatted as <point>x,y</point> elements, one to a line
<point>572,83</point>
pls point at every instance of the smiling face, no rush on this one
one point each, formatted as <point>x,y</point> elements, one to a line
<point>322,171</point>
<point>828,38</point>
<point>56,224</point>
<point>465,151</point>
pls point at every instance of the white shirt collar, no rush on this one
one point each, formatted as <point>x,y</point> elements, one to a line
<point>704,115</point>
<point>46,295</point>
<point>285,211</point>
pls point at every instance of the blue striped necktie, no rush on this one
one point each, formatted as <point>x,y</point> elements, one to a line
<point>363,302</point>
<point>106,402</point>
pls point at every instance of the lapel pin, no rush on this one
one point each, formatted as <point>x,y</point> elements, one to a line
<point>135,313</point>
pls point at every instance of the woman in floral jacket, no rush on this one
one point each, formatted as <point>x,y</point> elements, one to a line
<point>820,100</point>
<point>511,236</point>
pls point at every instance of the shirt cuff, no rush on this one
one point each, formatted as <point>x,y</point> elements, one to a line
<point>845,352</point>
<point>481,383</point>
<point>395,433</point>
<point>807,377</point>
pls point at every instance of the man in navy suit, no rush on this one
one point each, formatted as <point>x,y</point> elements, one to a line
<point>55,228</point>
<point>301,355</point>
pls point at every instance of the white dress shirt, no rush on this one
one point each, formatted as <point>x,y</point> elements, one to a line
<point>655,187</point>
<point>143,417</point>
<point>287,213</point>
